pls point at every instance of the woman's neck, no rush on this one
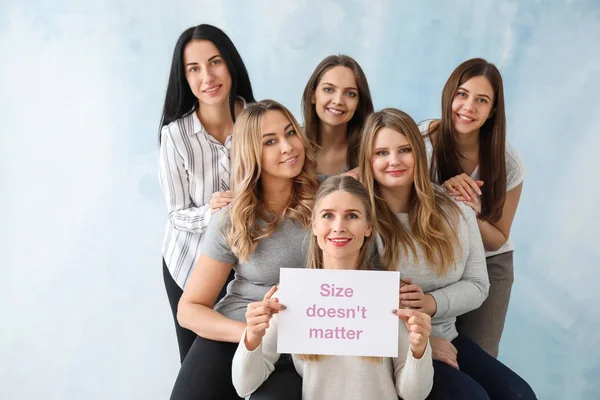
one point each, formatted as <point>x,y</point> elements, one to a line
<point>398,198</point>
<point>333,149</point>
<point>216,120</point>
<point>350,262</point>
<point>276,194</point>
<point>467,143</point>
<point>332,137</point>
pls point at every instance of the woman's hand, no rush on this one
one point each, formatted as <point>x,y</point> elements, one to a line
<point>475,203</point>
<point>258,315</point>
<point>419,329</point>
<point>220,200</point>
<point>412,296</point>
<point>463,185</point>
<point>444,351</point>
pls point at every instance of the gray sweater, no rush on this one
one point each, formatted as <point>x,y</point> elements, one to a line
<point>285,248</point>
<point>463,288</point>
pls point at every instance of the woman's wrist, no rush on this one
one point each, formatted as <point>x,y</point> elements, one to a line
<point>251,342</point>
<point>431,304</point>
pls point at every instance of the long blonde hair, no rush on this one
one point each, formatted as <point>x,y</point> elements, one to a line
<point>433,215</point>
<point>246,210</point>
<point>314,259</point>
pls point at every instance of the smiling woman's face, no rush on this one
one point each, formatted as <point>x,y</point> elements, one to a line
<point>282,149</point>
<point>340,225</point>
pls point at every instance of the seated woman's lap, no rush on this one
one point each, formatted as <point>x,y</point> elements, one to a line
<point>283,384</point>
<point>450,383</point>
<point>206,375</point>
<point>206,372</point>
<point>499,381</point>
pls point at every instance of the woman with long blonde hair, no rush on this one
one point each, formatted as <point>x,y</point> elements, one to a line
<point>342,236</point>
<point>436,245</point>
<point>273,190</point>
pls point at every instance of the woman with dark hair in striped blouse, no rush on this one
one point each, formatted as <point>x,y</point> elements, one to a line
<point>208,87</point>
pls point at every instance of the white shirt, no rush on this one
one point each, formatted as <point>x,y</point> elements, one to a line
<point>192,166</point>
<point>515,174</point>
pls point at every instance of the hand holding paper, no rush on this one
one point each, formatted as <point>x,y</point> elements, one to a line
<point>258,315</point>
<point>419,329</point>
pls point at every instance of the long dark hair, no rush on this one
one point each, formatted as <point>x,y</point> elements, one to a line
<point>492,139</point>
<point>364,107</point>
<point>179,100</point>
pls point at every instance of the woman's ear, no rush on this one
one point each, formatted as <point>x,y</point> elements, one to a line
<point>491,113</point>
<point>369,230</point>
<point>313,97</point>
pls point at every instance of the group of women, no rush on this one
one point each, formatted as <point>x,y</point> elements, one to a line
<point>250,191</point>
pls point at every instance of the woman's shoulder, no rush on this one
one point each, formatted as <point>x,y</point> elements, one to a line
<point>221,220</point>
<point>450,206</point>
<point>515,169</point>
<point>513,158</point>
<point>427,125</point>
<point>512,153</point>
<point>175,129</point>
<point>466,212</point>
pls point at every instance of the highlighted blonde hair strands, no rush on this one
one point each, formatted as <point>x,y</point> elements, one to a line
<point>246,210</point>
<point>433,215</point>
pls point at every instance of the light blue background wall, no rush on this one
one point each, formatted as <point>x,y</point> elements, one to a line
<point>84,312</point>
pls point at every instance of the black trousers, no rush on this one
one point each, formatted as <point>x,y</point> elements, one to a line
<point>206,375</point>
<point>185,337</point>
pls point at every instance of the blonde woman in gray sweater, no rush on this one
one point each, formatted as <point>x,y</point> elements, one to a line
<point>437,246</point>
<point>342,237</point>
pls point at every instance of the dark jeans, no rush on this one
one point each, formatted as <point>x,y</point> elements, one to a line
<point>185,337</point>
<point>206,375</point>
<point>481,376</point>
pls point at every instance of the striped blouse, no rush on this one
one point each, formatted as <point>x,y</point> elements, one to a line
<point>192,166</point>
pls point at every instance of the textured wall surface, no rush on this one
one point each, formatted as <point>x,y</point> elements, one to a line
<point>85,315</point>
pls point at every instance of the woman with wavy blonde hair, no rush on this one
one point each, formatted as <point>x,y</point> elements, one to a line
<point>273,186</point>
<point>436,245</point>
